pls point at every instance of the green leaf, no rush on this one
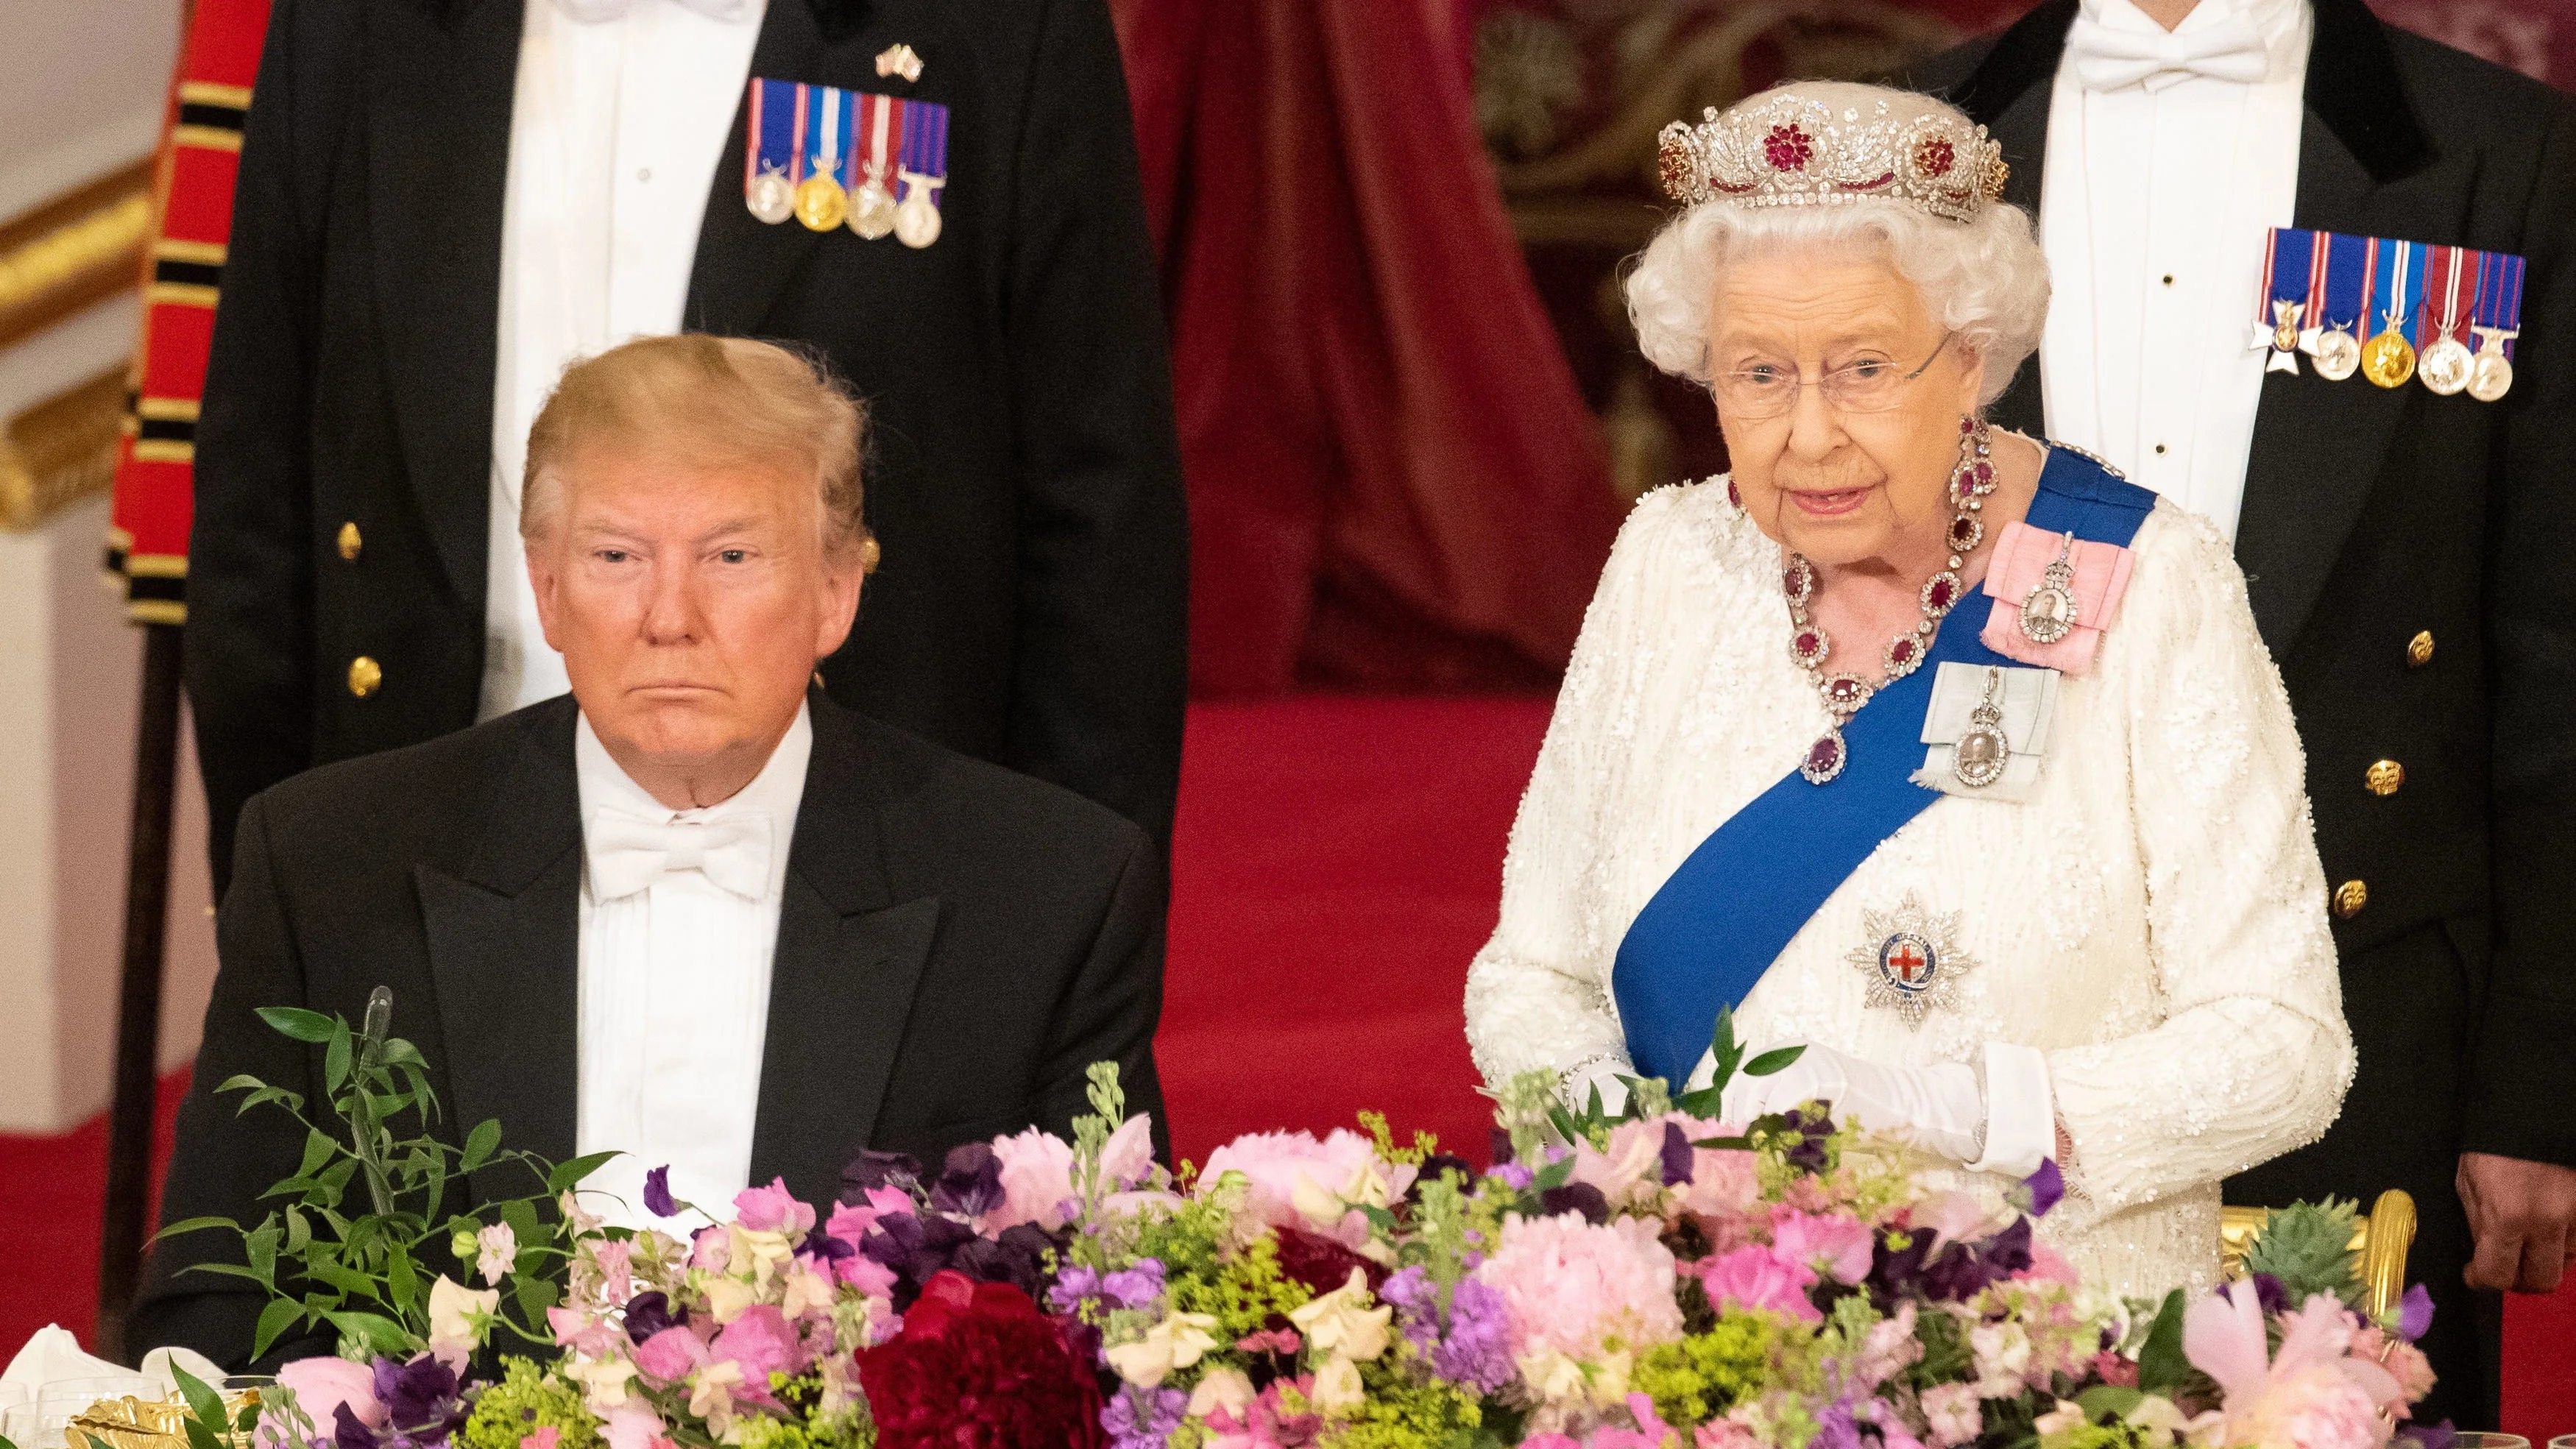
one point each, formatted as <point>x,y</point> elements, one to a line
<point>195,1225</point>
<point>335,1058</point>
<point>203,1401</point>
<point>231,1270</point>
<point>536,1295</point>
<point>2161,1364</point>
<point>298,1233</point>
<point>400,1053</point>
<point>317,1150</point>
<point>480,1144</point>
<point>339,1275</point>
<point>259,1245</point>
<point>1724,1144</point>
<point>280,1315</point>
<point>1775,1060</point>
<point>2108,1403</point>
<point>570,1173</point>
<point>375,1330</point>
<point>401,1279</point>
<point>241,1082</point>
<point>521,1215</point>
<point>304,1026</point>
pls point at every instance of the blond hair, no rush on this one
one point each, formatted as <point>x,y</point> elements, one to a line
<point>710,402</point>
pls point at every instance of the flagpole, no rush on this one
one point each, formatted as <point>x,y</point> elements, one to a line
<point>138,1012</point>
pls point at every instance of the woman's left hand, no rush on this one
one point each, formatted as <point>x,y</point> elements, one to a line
<point>1940,1107</point>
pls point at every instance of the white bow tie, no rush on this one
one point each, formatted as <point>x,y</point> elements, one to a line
<point>2107,59</point>
<point>591,12</point>
<point>627,854</point>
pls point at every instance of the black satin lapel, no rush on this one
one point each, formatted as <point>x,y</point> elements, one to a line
<point>840,992</point>
<point>438,158</point>
<point>507,977</point>
<point>743,262</point>
<point>2319,447</point>
<point>2356,89</point>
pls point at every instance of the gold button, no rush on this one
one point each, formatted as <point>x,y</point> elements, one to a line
<point>2419,650</point>
<point>2349,898</point>
<point>2384,777</point>
<point>365,675</point>
<point>350,543</point>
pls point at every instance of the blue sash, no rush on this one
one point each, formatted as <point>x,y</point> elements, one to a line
<point>1720,920</point>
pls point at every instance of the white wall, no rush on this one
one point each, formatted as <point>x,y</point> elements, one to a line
<point>82,84</point>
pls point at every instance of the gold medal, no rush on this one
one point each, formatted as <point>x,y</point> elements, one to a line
<point>916,221</point>
<point>2285,325</point>
<point>2388,359</point>
<point>770,197</point>
<point>872,210</point>
<point>2338,354</point>
<point>2491,373</point>
<point>821,203</point>
<point>2445,366</point>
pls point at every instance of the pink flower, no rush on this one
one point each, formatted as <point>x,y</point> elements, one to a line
<point>710,1249</point>
<point>851,1222</point>
<point>1888,1349</point>
<point>762,1341</point>
<point>1723,1434</point>
<point>1954,1414</point>
<point>1037,1183</point>
<point>864,1273</point>
<point>1951,1216</point>
<point>1128,1157</point>
<point>1754,1277</point>
<point>321,1386</point>
<point>1724,1183</point>
<point>588,1336</point>
<point>2404,1361</point>
<point>1634,1160</point>
<point>616,1270</point>
<point>773,1209</point>
<point>1837,1245</point>
<point>670,1356</point>
<point>634,1426</point>
<point>1343,1164</point>
<point>2310,1395</point>
<point>1571,1286</point>
<point>547,1437</point>
<point>2047,1265</point>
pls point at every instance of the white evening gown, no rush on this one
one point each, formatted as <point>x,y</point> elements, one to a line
<point>2152,918</point>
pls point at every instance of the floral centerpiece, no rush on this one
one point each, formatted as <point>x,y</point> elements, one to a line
<point>1653,1279</point>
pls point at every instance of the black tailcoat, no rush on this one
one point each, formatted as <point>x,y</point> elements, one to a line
<point>2370,516</point>
<point>1025,478</point>
<point>956,945</point>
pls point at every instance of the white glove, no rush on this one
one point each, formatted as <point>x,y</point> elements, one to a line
<point>1942,1108</point>
<point>1600,1072</point>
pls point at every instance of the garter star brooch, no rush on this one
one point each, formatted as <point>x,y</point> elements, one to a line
<point>1912,956</point>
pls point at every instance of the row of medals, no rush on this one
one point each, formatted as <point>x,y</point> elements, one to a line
<point>821,203</point>
<point>2447,366</point>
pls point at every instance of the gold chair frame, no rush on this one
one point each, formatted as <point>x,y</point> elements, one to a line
<point>2381,1238</point>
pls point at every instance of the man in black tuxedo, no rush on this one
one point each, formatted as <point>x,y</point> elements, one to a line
<point>695,911</point>
<point>2408,554</point>
<point>442,202</point>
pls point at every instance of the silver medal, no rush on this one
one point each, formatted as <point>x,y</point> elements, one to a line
<point>1978,759</point>
<point>770,196</point>
<point>2338,354</point>
<point>916,221</point>
<point>2445,366</point>
<point>2048,610</point>
<point>1912,957</point>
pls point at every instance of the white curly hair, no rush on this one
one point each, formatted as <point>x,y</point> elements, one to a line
<point>1986,279</point>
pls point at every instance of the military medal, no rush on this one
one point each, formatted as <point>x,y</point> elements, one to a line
<point>2497,317</point>
<point>1982,751</point>
<point>2293,276</point>
<point>821,203</point>
<point>771,143</point>
<point>2048,610</point>
<point>923,172</point>
<point>2445,364</point>
<point>2389,359</point>
<point>872,209</point>
<point>1912,957</point>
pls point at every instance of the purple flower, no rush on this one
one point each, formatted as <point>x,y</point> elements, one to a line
<point>1836,1429</point>
<point>2040,1191</point>
<point>970,1184</point>
<point>1513,1176</point>
<point>1814,1129</point>
<point>1073,1284</point>
<point>2272,1294</point>
<point>1677,1155</point>
<point>420,1399</point>
<point>1576,1197</point>
<point>870,1171</point>
<point>1136,1286</point>
<point>1958,1271</point>
<point>2414,1313</point>
<point>1143,1418</point>
<point>657,1193</point>
<point>649,1312</point>
<point>1473,1349</point>
<point>347,1432</point>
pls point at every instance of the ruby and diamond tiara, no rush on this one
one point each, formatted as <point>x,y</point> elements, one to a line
<point>1792,149</point>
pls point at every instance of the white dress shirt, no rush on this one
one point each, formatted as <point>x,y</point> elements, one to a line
<point>2154,205</point>
<point>616,131</point>
<point>674,978</point>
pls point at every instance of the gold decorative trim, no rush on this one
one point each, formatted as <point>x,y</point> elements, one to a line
<point>171,249</point>
<point>167,409</point>
<point>208,93</point>
<point>2381,1239</point>
<point>156,566</point>
<point>75,251</point>
<point>60,451</point>
<point>184,294</point>
<point>211,138</point>
<point>163,450</point>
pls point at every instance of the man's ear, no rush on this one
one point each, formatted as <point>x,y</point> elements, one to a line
<point>842,583</point>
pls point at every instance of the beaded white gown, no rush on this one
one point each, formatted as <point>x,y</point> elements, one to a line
<point>2151,917</point>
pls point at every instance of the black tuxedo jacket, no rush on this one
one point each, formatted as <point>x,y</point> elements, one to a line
<point>956,946</point>
<point>1024,479</point>
<point>2372,515</point>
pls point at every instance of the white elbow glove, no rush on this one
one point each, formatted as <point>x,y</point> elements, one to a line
<point>2005,1123</point>
<point>1601,1072</point>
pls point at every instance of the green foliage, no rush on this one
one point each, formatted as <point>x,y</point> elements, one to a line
<point>1424,1143</point>
<point>2162,1368</point>
<point>1705,1374</point>
<point>527,1399</point>
<point>1245,1293</point>
<point>1404,1415</point>
<point>350,1247</point>
<point>2308,1246</point>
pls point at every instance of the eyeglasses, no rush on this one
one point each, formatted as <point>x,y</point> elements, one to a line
<point>1766,391</point>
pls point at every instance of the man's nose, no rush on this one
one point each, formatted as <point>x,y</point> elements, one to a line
<point>672,612</point>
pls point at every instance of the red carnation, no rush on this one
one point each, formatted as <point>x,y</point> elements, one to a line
<point>1321,1263</point>
<point>1787,149</point>
<point>977,1366</point>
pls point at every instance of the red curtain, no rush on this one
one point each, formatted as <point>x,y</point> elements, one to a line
<point>1393,480</point>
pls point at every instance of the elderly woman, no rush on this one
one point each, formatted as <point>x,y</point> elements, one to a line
<point>1944,751</point>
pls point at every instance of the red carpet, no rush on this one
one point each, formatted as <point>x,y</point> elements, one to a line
<point>1336,865</point>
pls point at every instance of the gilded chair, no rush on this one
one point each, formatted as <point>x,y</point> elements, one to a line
<point>2382,1238</point>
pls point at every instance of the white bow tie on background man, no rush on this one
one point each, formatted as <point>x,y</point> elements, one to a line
<point>591,12</point>
<point>627,854</point>
<point>2109,58</point>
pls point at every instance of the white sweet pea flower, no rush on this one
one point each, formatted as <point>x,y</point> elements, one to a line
<point>1340,1325</point>
<point>1180,1340</point>
<point>1223,1388</point>
<point>2003,1358</point>
<point>1338,1392</point>
<point>603,1381</point>
<point>459,1316</point>
<point>497,1247</point>
<point>711,1396</point>
<point>727,1297</point>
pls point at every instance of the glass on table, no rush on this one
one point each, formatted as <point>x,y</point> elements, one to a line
<point>58,1403</point>
<point>2486,1439</point>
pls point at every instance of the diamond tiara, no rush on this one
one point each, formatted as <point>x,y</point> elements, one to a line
<point>1804,146</point>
